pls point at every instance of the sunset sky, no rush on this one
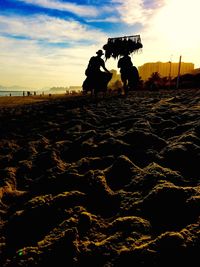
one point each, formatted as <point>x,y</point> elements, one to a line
<point>45,43</point>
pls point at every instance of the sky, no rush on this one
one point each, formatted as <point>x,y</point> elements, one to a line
<point>46,43</point>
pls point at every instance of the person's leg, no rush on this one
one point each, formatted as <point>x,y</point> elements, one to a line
<point>96,79</point>
<point>132,80</point>
<point>125,87</point>
<point>125,82</point>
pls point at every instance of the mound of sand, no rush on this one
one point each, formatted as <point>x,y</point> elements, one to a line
<point>112,182</point>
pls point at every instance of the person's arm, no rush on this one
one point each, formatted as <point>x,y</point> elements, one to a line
<point>119,63</point>
<point>104,67</point>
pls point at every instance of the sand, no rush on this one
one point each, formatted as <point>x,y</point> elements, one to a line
<point>107,182</point>
<point>10,101</point>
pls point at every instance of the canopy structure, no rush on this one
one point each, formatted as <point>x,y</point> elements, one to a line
<point>119,46</point>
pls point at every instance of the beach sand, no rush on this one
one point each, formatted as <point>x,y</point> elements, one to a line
<point>107,182</point>
<point>8,101</point>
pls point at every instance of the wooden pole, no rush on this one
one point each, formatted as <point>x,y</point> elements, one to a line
<point>170,67</point>
<point>179,69</point>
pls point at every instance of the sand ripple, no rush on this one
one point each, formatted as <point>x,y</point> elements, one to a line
<point>112,182</point>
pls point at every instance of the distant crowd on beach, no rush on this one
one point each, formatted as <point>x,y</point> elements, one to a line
<point>28,93</point>
<point>38,93</point>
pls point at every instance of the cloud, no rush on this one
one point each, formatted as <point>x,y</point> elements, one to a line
<point>111,19</point>
<point>50,29</point>
<point>31,56</point>
<point>80,10</point>
<point>137,11</point>
<point>28,63</point>
<point>129,11</point>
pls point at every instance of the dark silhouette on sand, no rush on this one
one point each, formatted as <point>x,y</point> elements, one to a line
<point>129,73</point>
<point>97,79</point>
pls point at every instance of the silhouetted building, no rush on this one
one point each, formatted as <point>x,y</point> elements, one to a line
<point>167,69</point>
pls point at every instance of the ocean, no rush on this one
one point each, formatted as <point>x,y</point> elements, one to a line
<point>12,93</point>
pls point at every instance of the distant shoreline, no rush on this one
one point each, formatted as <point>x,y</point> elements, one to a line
<point>32,92</point>
<point>28,93</point>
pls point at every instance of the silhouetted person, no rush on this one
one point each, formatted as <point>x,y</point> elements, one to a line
<point>97,79</point>
<point>95,64</point>
<point>126,69</point>
<point>134,78</point>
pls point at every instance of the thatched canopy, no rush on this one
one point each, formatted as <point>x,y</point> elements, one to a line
<point>119,46</point>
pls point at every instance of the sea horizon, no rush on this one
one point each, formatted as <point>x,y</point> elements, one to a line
<point>32,92</point>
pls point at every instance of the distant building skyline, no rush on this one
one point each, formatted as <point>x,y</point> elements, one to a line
<point>165,69</point>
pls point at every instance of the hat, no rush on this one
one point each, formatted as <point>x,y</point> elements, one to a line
<point>99,52</point>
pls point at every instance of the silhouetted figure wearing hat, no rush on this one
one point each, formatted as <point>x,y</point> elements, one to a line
<point>96,80</point>
<point>129,73</point>
<point>95,64</point>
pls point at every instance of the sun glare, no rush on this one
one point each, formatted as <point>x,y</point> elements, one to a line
<point>177,24</point>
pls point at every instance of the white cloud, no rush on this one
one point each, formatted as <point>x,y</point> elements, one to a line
<point>81,10</point>
<point>137,11</point>
<point>26,63</point>
<point>111,19</point>
<point>42,27</point>
<point>34,61</point>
